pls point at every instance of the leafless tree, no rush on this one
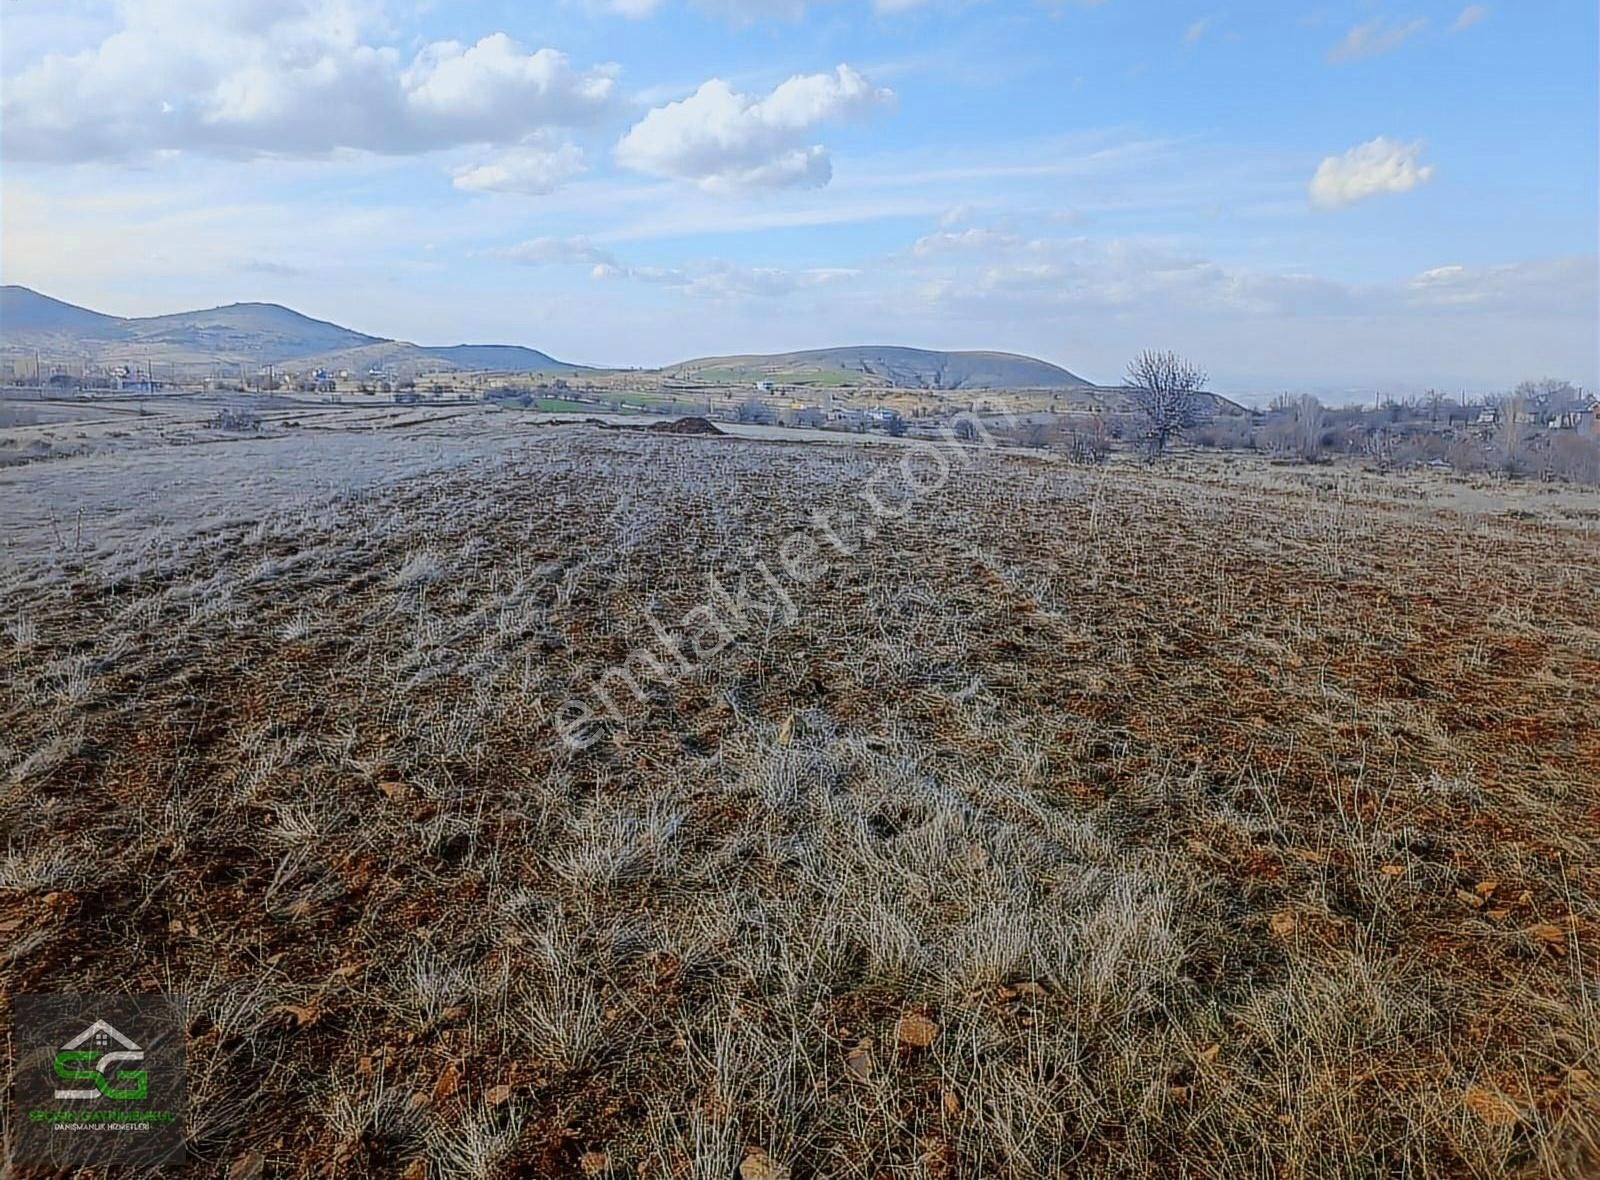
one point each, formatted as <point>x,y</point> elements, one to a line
<point>1296,426</point>
<point>1309,422</point>
<point>1548,396</point>
<point>1167,397</point>
<point>1513,417</point>
<point>1087,440</point>
<point>1574,458</point>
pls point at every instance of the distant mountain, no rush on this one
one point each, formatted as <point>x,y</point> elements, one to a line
<point>496,357</point>
<point>248,334</point>
<point>887,365</point>
<point>24,310</point>
<point>397,356</point>
<point>252,335</point>
<point>263,331</point>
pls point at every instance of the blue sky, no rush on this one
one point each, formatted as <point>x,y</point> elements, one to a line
<point>1330,196</point>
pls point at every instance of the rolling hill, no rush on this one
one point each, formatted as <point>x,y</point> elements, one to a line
<point>248,334</point>
<point>886,365</point>
<point>254,330</point>
<point>397,356</point>
<point>254,335</point>
<point>24,310</point>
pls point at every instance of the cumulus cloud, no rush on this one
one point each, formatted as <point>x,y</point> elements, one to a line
<point>1470,15</point>
<point>473,89</point>
<point>533,168</point>
<point>726,141</point>
<point>1381,165</point>
<point>1373,38</point>
<point>296,78</point>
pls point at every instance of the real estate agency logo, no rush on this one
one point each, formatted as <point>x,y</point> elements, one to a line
<point>99,1079</point>
<point>97,1063</point>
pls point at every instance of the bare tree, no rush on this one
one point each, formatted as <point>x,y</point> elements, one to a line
<point>1548,396</point>
<point>1166,396</point>
<point>1296,426</point>
<point>1309,423</point>
<point>1512,413</point>
<point>1086,438</point>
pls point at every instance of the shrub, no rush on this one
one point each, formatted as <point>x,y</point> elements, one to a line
<point>1573,457</point>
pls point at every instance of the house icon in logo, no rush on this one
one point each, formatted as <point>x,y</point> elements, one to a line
<point>91,1054</point>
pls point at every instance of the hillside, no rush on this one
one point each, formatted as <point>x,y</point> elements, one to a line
<point>886,365</point>
<point>23,310</point>
<point>409,360</point>
<point>250,330</point>
<point>497,356</point>
<point>248,334</point>
<point>253,335</point>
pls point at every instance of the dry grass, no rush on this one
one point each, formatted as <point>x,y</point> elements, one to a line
<point>1209,829</point>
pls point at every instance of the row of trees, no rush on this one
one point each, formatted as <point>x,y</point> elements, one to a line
<point>1169,402</point>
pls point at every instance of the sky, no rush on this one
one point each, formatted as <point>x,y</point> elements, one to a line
<point>1328,197</point>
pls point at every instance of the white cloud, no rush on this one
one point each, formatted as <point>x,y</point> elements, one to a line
<point>1197,30</point>
<point>1089,303</point>
<point>1381,165</point>
<point>478,90</point>
<point>976,238</point>
<point>727,280</point>
<point>205,236</point>
<point>1122,273</point>
<point>727,141</point>
<point>1470,15</point>
<point>713,279</point>
<point>1555,287</point>
<point>247,77</point>
<point>532,169</point>
<point>1373,38</point>
<point>549,251</point>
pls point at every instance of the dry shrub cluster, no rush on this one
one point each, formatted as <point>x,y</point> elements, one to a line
<point>1087,823</point>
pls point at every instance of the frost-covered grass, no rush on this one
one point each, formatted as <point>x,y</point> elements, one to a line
<point>1104,823</point>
